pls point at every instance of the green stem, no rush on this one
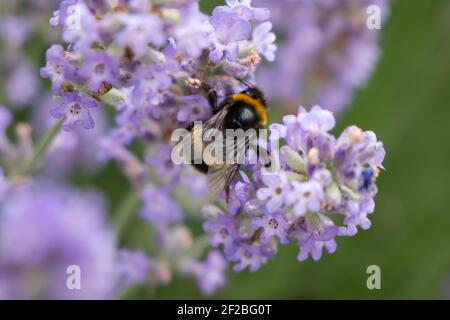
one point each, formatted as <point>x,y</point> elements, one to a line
<point>41,148</point>
<point>126,208</point>
<point>201,243</point>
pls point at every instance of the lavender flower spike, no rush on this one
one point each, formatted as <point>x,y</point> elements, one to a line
<point>320,177</point>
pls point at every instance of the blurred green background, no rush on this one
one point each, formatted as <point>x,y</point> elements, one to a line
<point>407,104</point>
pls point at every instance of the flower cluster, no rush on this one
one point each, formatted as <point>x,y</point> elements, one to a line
<point>126,74</point>
<point>150,61</point>
<point>326,53</point>
<point>318,178</point>
<point>146,59</point>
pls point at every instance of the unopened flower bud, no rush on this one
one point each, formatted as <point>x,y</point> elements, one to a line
<point>293,159</point>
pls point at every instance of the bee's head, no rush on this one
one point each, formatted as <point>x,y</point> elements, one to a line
<point>253,92</point>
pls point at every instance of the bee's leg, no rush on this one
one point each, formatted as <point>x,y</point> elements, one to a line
<point>212,96</point>
<point>228,183</point>
<point>227,194</point>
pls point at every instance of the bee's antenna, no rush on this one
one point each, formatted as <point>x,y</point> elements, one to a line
<point>248,85</point>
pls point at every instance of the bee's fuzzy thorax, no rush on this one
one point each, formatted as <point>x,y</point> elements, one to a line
<point>257,103</point>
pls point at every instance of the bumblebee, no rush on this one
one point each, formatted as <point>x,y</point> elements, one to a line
<point>244,110</point>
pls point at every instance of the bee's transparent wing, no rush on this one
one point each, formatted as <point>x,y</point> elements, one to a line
<point>213,139</point>
<point>220,175</point>
<point>187,153</point>
<point>235,149</point>
<point>219,178</point>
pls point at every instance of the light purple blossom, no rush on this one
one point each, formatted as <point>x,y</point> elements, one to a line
<point>248,256</point>
<point>75,109</point>
<point>273,225</point>
<point>245,10</point>
<point>305,196</point>
<point>158,207</point>
<point>56,67</point>
<point>192,36</point>
<point>275,191</point>
<point>97,69</point>
<point>210,274</point>
<point>264,39</point>
<point>74,149</point>
<point>317,120</point>
<point>147,93</point>
<point>78,24</point>
<point>227,43</point>
<point>133,267</point>
<point>139,31</point>
<point>196,109</point>
<point>223,230</point>
<point>315,233</point>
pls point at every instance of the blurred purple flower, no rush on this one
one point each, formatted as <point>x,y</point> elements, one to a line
<point>133,267</point>
<point>22,85</point>
<point>159,159</point>
<point>229,30</point>
<point>326,51</point>
<point>210,274</point>
<point>14,30</point>
<point>196,108</point>
<point>158,207</point>
<point>44,229</point>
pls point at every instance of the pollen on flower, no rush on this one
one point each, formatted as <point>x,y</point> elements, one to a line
<point>23,130</point>
<point>193,83</point>
<point>313,156</point>
<point>251,60</point>
<point>355,135</point>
